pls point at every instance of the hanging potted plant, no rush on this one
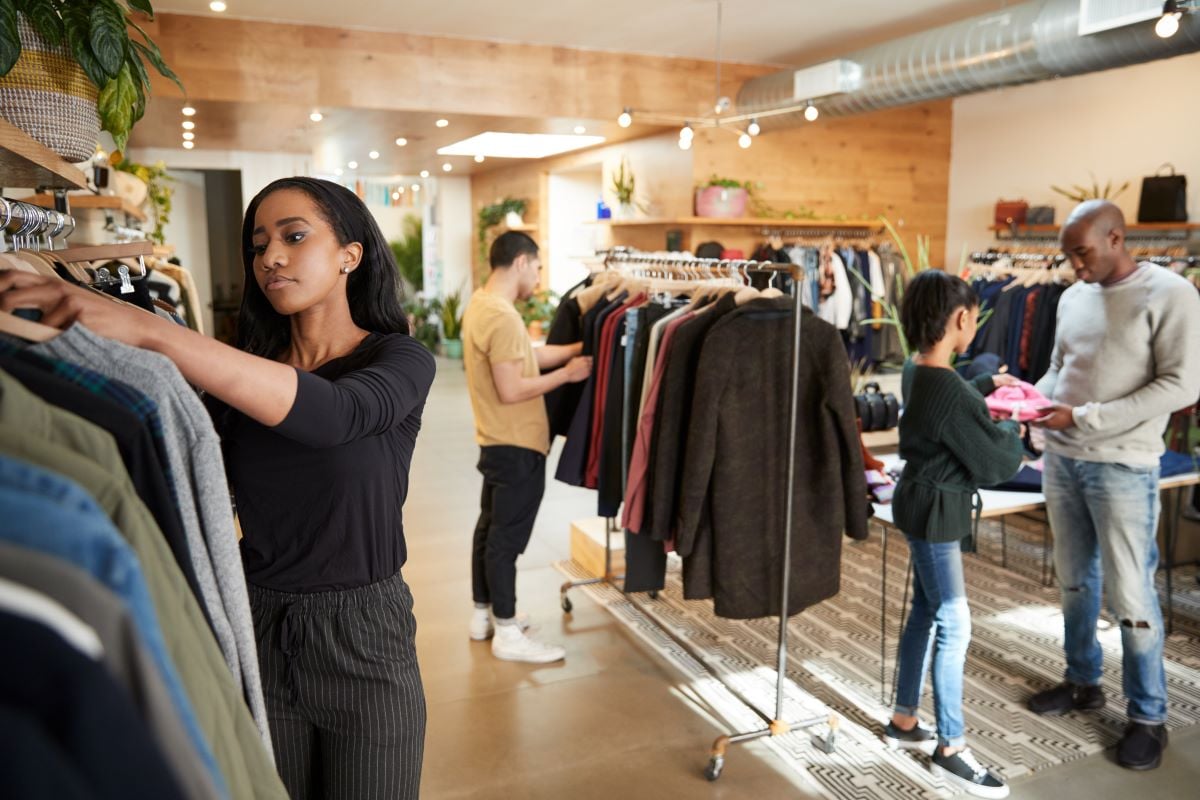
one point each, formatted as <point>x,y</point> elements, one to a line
<point>158,192</point>
<point>69,68</point>
<point>722,197</point>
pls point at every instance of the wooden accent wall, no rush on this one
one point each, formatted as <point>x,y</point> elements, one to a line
<point>265,62</point>
<point>895,163</point>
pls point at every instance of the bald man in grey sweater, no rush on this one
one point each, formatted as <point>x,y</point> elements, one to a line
<point>1126,355</point>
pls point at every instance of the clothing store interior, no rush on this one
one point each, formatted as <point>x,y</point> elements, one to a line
<point>696,398</point>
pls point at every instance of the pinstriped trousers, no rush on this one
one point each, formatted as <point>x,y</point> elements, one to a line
<point>343,690</point>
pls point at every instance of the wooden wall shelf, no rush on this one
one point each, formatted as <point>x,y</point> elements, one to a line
<point>738,222</point>
<point>25,163</point>
<point>1142,229</point>
<point>526,228</point>
<point>78,201</point>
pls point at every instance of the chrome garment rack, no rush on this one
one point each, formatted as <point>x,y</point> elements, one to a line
<point>675,267</point>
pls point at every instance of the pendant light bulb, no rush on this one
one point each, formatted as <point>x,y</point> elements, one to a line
<point>685,144</point>
<point>626,119</point>
<point>745,140</point>
<point>811,113</point>
<point>1168,23</point>
<point>686,132</point>
<point>754,128</point>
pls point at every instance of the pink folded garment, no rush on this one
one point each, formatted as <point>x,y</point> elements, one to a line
<point>1022,402</point>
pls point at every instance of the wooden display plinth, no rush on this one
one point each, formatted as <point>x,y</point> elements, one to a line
<point>587,546</point>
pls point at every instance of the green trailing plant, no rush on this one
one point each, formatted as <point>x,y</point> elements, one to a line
<point>1080,194</point>
<point>540,307</point>
<point>96,32</point>
<point>159,190</point>
<point>409,253</point>
<point>493,215</point>
<point>451,313</point>
<point>423,319</point>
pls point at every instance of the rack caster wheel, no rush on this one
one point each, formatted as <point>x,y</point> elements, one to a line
<point>654,594</point>
<point>713,770</point>
<point>566,605</point>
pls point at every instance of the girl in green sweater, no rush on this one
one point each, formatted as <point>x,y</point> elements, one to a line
<point>951,447</point>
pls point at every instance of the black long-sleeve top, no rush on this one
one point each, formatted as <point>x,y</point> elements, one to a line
<point>320,496</point>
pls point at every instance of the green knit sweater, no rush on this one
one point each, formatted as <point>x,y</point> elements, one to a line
<point>951,447</point>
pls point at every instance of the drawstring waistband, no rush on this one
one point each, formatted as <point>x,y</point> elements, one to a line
<point>291,642</point>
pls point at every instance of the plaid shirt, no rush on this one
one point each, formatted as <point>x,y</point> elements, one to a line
<point>122,394</point>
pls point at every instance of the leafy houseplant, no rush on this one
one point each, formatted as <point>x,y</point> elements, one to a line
<point>95,35</point>
<point>624,188</point>
<point>538,311</point>
<point>493,215</point>
<point>423,320</point>
<point>409,253</point>
<point>1081,193</point>
<point>160,191</point>
<point>722,197</point>
<point>452,324</point>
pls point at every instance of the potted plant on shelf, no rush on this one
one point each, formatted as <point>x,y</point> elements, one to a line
<point>452,325</point>
<point>85,70</point>
<point>493,215</point>
<point>722,197</point>
<point>624,188</point>
<point>158,191</point>
<point>537,312</point>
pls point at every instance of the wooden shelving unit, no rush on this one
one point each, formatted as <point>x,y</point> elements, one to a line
<point>1139,230</point>
<point>737,222</point>
<point>740,233</point>
<point>29,164</point>
<point>79,201</point>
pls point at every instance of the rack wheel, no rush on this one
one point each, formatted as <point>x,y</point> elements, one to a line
<point>566,604</point>
<point>654,594</point>
<point>713,770</point>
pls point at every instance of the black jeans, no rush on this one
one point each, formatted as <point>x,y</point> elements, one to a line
<point>514,479</point>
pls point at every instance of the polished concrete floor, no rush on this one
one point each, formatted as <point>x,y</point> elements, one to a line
<point>613,721</point>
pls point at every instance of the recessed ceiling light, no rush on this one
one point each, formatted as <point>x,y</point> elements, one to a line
<point>580,130</point>
<point>424,173</point>
<point>316,116</point>
<point>373,154</point>
<point>441,123</point>
<point>478,159</point>
<point>188,125</point>
<point>353,165</point>
<point>339,172</point>
<point>188,145</point>
<point>416,187</point>
<point>401,142</point>
<point>447,167</point>
<point>188,111</point>
<point>188,135</point>
<point>519,145</point>
<point>217,5</point>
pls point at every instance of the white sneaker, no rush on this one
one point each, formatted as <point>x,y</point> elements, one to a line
<point>481,628</point>
<point>511,643</point>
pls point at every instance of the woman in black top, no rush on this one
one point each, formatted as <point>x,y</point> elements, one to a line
<point>319,409</point>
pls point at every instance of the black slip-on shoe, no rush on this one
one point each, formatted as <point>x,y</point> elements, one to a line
<point>1067,697</point>
<point>1142,746</point>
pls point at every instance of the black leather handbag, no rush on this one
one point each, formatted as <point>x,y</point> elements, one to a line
<point>877,410</point>
<point>1164,197</point>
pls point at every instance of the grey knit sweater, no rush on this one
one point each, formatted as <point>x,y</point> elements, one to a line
<point>1125,357</point>
<point>194,452</point>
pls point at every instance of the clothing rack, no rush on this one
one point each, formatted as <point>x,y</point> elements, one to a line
<point>1051,260</point>
<point>32,227</point>
<point>850,232</point>
<point>700,270</point>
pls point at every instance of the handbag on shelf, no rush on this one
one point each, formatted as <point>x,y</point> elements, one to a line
<point>1164,197</point>
<point>876,410</point>
<point>1011,212</point>
<point>1040,215</point>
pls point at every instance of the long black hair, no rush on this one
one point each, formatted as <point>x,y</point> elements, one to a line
<point>373,289</point>
<point>930,299</point>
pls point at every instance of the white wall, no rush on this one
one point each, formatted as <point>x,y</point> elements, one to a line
<point>188,231</point>
<point>1120,125</point>
<point>572,201</point>
<point>454,234</point>
<point>258,169</point>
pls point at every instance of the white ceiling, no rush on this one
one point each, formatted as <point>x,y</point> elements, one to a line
<point>753,31</point>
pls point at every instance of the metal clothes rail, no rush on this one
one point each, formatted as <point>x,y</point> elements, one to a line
<point>699,269</point>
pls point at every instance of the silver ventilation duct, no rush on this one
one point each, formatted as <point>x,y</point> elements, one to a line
<point>1034,41</point>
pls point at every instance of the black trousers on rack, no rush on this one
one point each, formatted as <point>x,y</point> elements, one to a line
<point>514,480</point>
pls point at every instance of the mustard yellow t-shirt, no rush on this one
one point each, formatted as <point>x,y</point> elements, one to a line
<point>494,333</point>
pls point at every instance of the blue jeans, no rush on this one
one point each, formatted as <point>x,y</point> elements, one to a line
<point>1104,518</point>
<point>939,601</point>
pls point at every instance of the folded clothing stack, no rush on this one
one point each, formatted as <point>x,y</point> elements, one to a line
<point>1021,401</point>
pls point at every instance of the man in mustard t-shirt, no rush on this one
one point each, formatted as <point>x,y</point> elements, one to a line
<point>506,386</point>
